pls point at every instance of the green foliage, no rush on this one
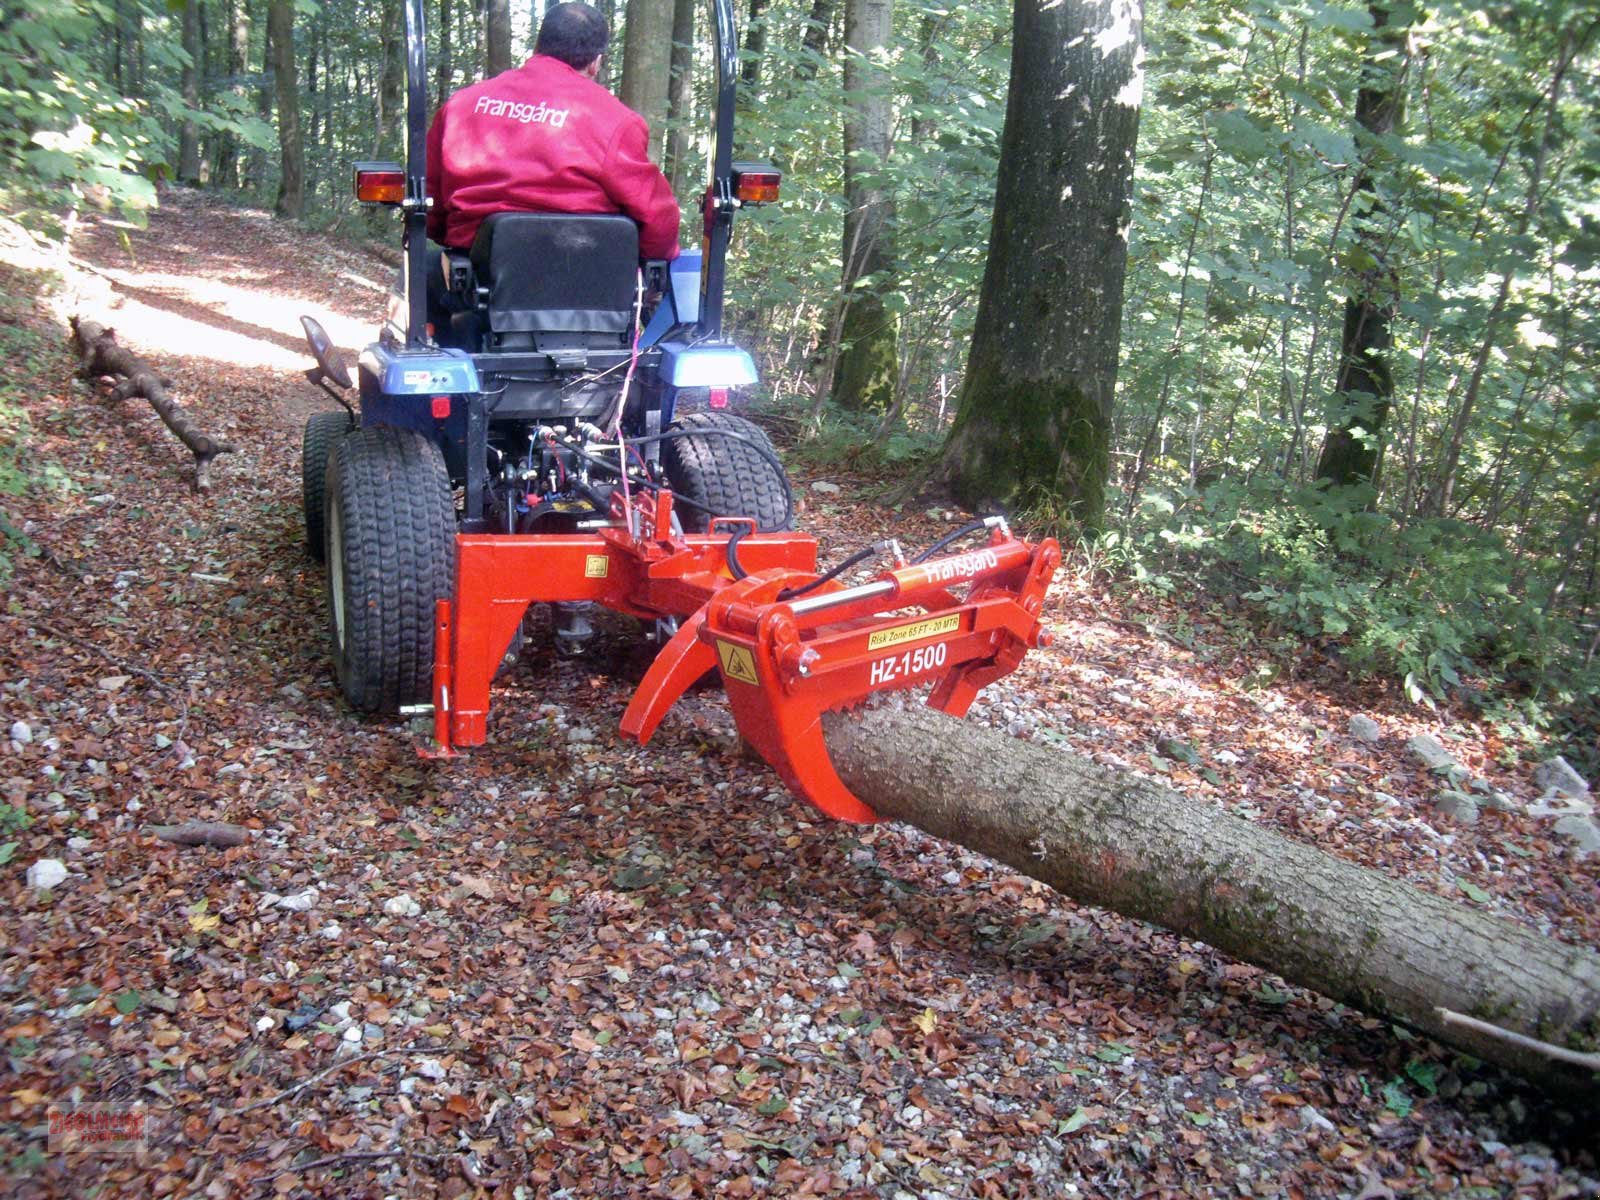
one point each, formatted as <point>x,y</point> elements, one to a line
<point>72,134</point>
<point>1428,603</point>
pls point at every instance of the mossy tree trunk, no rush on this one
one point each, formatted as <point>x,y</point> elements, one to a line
<point>1034,421</point>
<point>1118,842</point>
<point>647,65</point>
<point>869,356</point>
<point>1365,382</point>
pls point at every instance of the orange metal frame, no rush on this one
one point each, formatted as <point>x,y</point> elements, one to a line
<point>784,662</point>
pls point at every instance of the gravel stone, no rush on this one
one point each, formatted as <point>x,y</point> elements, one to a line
<point>1365,729</point>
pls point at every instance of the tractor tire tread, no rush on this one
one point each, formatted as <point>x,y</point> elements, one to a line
<point>728,477</point>
<point>398,540</point>
<point>322,432</point>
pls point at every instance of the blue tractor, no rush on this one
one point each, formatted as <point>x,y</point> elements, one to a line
<point>572,373</point>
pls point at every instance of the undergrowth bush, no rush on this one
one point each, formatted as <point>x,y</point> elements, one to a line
<point>1426,603</point>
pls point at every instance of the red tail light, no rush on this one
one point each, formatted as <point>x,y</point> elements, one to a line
<point>756,183</point>
<point>380,183</point>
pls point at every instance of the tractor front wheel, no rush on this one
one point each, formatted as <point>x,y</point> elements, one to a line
<point>719,463</point>
<point>322,432</point>
<point>391,526</point>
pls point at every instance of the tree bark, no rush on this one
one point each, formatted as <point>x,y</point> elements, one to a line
<point>1034,423</point>
<point>680,95</point>
<point>755,44</point>
<point>188,131</point>
<point>291,146</point>
<point>814,42</point>
<point>392,80</point>
<point>238,57</point>
<point>497,35</point>
<point>1365,381</point>
<point>443,67</point>
<point>1130,845</point>
<point>99,354</point>
<point>869,358</point>
<point>647,65</point>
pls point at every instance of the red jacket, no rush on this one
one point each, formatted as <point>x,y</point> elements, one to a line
<point>543,137</point>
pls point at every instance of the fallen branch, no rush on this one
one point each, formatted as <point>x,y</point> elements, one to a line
<point>1113,840</point>
<point>101,355</point>
<point>1577,1058</point>
<point>201,833</point>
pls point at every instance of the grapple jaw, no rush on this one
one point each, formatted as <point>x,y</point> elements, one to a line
<point>786,660</point>
<point>791,645</point>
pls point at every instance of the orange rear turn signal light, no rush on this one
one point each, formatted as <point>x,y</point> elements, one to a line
<point>756,183</point>
<point>380,183</point>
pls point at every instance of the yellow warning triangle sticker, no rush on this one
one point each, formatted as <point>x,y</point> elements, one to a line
<point>737,662</point>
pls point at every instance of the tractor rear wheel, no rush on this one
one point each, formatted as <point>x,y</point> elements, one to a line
<point>322,432</point>
<point>391,526</point>
<point>725,476</point>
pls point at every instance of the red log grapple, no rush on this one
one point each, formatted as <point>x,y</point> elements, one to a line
<point>789,643</point>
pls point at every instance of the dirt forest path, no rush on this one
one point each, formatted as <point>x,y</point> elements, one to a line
<point>564,962</point>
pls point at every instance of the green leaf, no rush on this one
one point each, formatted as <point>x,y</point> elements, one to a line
<point>1079,1118</point>
<point>127,1001</point>
<point>1396,1099</point>
<point>6,851</point>
<point>772,1105</point>
<point>1113,1052</point>
<point>1473,891</point>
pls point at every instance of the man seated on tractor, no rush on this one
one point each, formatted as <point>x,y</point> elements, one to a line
<point>543,137</point>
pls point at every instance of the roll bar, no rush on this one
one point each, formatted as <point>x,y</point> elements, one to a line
<point>718,208</point>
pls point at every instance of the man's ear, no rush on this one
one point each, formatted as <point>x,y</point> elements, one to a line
<point>593,69</point>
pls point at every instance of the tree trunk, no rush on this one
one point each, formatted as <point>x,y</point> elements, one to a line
<point>680,95</point>
<point>443,66</point>
<point>188,131</point>
<point>755,43</point>
<point>1117,842</point>
<point>1365,382</point>
<point>497,36</point>
<point>1034,421</point>
<point>392,80</point>
<point>291,147</point>
<point>869,357</point>
<point>238,63</point>
<point>815,40</point>
<point>647,65</point>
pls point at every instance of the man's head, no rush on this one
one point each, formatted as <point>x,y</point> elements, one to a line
<point>574,33</point>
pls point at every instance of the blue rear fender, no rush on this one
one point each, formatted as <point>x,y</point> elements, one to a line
<point>398,388</point>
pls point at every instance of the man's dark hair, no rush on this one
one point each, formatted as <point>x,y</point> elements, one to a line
<point>574,33</point>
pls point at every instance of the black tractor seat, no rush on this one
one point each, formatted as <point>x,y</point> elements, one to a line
<point>547,282</point>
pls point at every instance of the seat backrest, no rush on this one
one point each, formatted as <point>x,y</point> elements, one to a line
<point>571,276</point>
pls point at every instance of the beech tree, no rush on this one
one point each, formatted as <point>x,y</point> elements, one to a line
<point>291,146</point>
<point>1365,384</point>
<point>497,36</point>
<point>647,65</point>
<point>1034,420</point>
<point>868,353</point>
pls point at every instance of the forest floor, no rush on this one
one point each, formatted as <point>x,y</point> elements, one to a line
<point>564,964</point>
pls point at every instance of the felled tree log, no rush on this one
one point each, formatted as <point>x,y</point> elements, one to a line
<point>201,833</point>
<point>100,354</point>
<point>1115,841</point>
